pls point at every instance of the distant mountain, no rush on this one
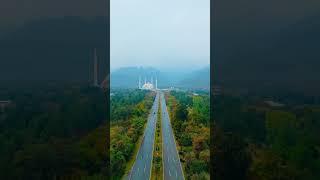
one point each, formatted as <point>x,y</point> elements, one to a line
<point>54,49</point>
<point>285,59</point>
<point>128,77</point>
<point>197,79</point>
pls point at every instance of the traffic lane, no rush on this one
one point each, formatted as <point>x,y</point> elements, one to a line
<point>142,166</point>
<point>171,165</point>
<point>171,158</point>
<point>148,145</point>
<point>145,160</point>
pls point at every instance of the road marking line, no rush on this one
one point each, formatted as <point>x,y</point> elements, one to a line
<point>169,173</point>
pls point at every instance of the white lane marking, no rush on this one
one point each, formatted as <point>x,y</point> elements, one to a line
<point>138,169</point>
<point>144,169</point>
<point>176,174</point>
<point>169,173</point>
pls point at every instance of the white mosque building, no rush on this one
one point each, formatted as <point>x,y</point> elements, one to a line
<point>148,85</point>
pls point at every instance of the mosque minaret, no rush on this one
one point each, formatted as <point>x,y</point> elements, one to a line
<point>148,85</point>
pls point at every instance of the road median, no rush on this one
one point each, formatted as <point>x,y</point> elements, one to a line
<point>157,168</point>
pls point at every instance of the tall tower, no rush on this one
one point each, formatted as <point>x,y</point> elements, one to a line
<point>151,79</point>
<point>156,82</point>
<point>95,69</point>
<point>145,80</point>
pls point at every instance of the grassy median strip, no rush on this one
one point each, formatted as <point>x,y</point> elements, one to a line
<point>157,167</point>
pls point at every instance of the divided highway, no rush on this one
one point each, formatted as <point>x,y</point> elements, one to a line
<point>141,169</point>
<point>172,168</point>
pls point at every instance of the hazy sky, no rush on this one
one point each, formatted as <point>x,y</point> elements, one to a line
<point>160,33</point>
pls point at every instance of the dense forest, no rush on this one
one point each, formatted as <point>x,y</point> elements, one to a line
<point>129,111</point>
<point>190,119</point>
<point>258,140</point>
<point>53,132</point>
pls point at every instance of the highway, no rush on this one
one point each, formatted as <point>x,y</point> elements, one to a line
<point>141,169</point>
<point>172,168</point>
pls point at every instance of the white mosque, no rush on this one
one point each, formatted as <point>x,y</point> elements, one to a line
<point>148,85</point>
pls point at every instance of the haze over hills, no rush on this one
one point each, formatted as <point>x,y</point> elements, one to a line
<point>128,77</point>
<point>196,79</point>
<point>60,49</point>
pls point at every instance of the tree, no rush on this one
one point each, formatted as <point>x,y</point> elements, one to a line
<point>198,144</point>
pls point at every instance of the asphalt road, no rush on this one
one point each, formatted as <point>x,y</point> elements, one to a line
<point>141,169</point>
<point>172,168</point>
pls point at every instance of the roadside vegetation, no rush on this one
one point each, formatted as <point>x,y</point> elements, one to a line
<point>256,141</point>
<point>157,166</point>
<point>129,111</point>
<point>190,119</point>
<point>52,132</point>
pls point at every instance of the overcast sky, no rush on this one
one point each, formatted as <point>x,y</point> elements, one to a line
<point>160,33</point>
